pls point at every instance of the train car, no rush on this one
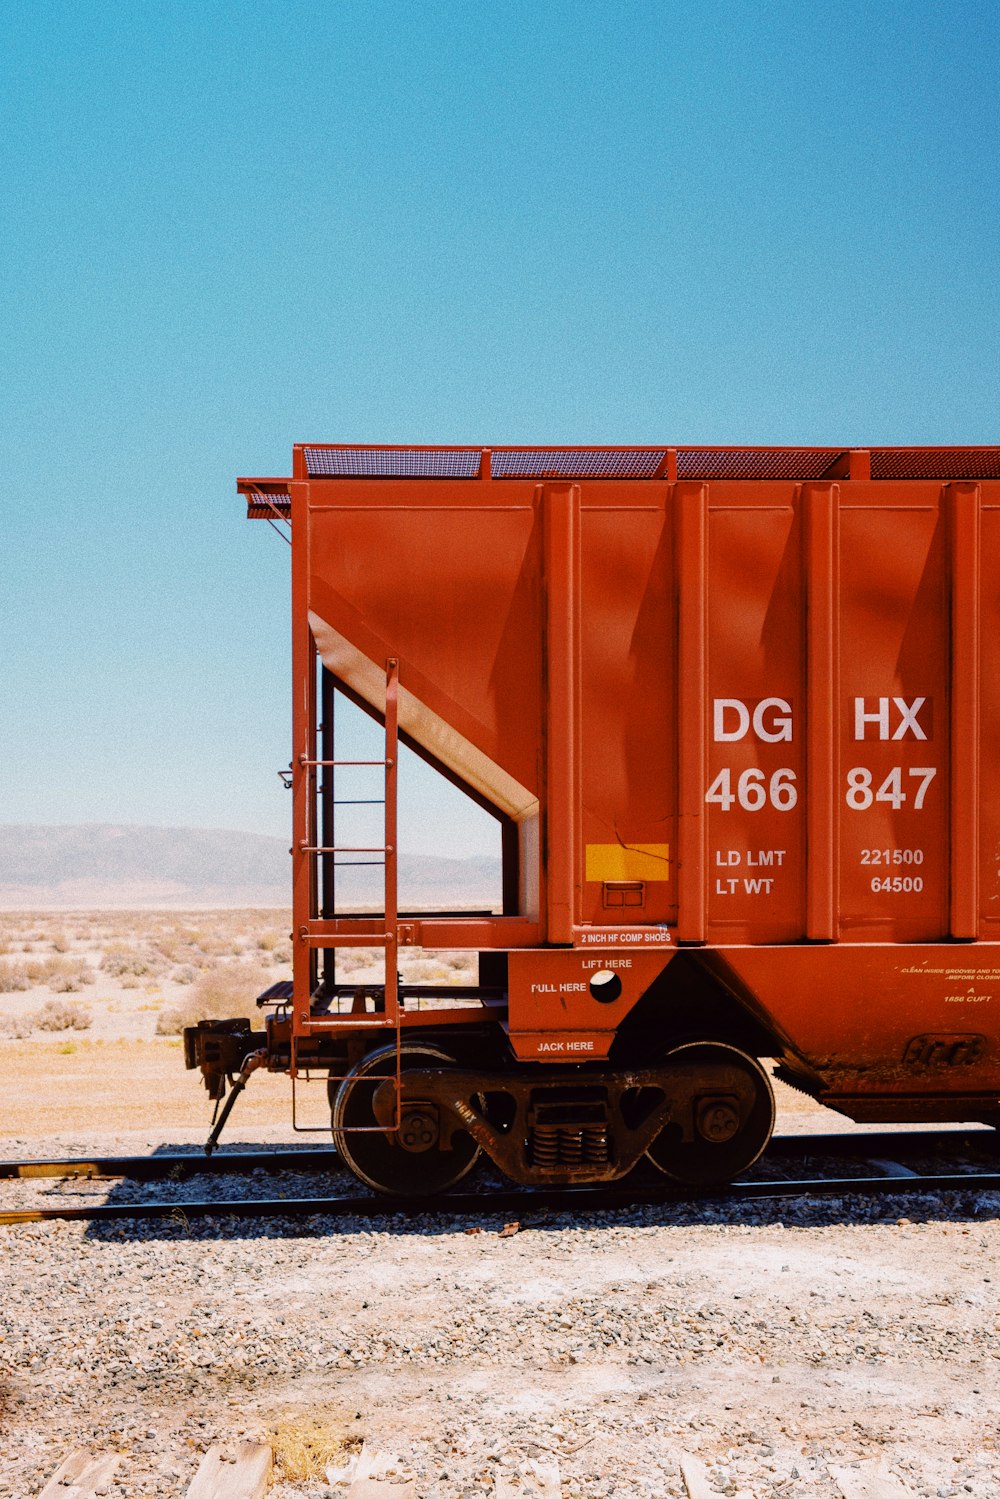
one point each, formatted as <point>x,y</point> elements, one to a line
<point>736,712</point>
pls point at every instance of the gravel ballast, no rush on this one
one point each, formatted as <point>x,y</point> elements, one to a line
<point>773,1340</point>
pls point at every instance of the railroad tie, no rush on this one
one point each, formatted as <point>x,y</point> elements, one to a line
<point>870,1480</point>
<point>540,1480</point>
<point>240,1471</point>
<point>364,1484</point>
<point>696,1484</point>
<point>891,1168</point>
<point>83,1475</point>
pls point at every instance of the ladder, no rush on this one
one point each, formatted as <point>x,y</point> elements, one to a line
<point>304,1021</point>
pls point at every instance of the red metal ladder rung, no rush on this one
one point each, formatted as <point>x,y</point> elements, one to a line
<point>343,848</point>
<point>306,763</point>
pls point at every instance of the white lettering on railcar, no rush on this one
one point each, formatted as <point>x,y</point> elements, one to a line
<point>860,794</point>
<point>753,790</point>
<point>660,937</point>
<point>881,716</point>
<point>757,858</point>
<point>892,856</point>
<point>771,719</point>
<point>748,886</point>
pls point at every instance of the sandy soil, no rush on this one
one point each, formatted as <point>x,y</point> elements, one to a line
<point>118,1087</point>
<point>107,983</point>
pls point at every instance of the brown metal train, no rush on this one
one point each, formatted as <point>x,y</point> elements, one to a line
<point>737,713</point>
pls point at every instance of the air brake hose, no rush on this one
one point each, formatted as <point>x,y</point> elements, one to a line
<point>252,1062</point>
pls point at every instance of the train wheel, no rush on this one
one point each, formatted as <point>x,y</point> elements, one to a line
<point>723,1144</point>
<point>420,1167</point>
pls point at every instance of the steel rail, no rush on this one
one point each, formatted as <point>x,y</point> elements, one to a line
<point>179,1166</point>
<point>557,1200</point>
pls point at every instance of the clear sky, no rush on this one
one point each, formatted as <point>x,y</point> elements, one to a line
<point>231,225</point>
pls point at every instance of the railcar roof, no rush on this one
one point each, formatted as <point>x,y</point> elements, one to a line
<point>269,497</point>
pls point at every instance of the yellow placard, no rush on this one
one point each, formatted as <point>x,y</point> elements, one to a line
<point>633,861</point>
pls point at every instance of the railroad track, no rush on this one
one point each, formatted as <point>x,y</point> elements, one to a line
<point>175,1165</point>
<point>179,1165</point>
<point>880,1152</point>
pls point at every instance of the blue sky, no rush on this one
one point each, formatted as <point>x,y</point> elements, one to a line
<point>231,226</point>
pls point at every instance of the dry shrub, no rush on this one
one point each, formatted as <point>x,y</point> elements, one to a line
<point>420,967</point>
<point>185,974</point>
<point>427,971</point>
<point>14,978</point>
<point>305,1447</point>
<point>127,962</point>
<point>16,1027</point>
<point>60,941</point>
<point>61,975</point>
<point>66,975</point>
<point>62,1015</point>
<point>462,964</point>
<point>223,993</point>
<point>356,958</point>
<point>212,947</point>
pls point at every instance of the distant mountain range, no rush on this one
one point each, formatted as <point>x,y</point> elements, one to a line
<point>98,865</point>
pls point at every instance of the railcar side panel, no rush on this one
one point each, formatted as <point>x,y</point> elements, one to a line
<point>756,774</point>
<point>896,1019</point>
<point>627,733</point>
<point>894,723</point>
<point>449,581</point>
<point>987,761</point>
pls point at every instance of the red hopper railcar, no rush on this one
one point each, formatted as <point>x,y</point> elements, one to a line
<point>737,713</point>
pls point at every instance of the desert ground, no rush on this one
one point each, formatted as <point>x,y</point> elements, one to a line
<point>91,1009</point>
<point>787,1346</point>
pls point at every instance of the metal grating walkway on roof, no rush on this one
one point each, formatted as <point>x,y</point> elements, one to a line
<point>754,463</point>
<point>268,498</point>
<point>566,463</point>
<point>393,463</point>
<point>577,463</point>
<point>936,463</point>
